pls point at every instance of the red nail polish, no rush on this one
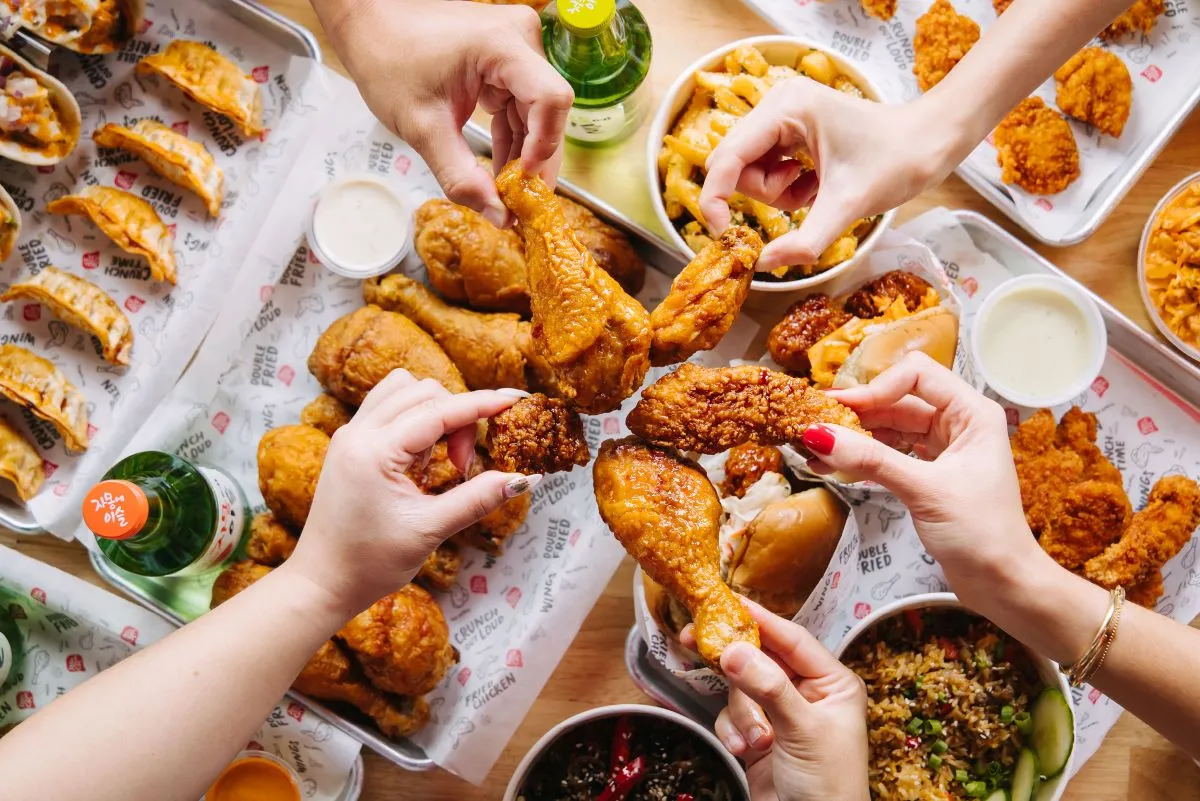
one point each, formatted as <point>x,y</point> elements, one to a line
<point>818,439</point>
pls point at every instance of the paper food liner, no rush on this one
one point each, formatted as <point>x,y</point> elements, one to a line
<point>1146,432</point>
<point>1163,66</point>
<point>168,322</point>
<point>74,630</point>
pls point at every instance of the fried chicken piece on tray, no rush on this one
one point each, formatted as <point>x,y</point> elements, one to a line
<point>270,542</point>
<point>877,295</point>
<point>441,567</point>
<point>709,410</point>
<point>665,512</point>
<point>326,413</point>
<point>1146,593</point>
<point>594,335</point>
<point>1077,431</point>
<point>805,323</point>
<point>1089,518</point>
<point>1036,148</point>
<point>1141,16</point>
<point>1094,86</point>
<point>611,248</point>
<point>705,297</point>
<point>880,9</point>
<point>289,465</point>
<point>537,435</point>
<point>1156,534</point>
<point>942,38</point>
<point>745,464</point>
<point>487,348</point>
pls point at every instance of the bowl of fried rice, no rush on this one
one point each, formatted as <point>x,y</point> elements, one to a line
<point>956,708</point>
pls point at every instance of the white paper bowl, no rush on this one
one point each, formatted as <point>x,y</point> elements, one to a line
<point>1078,297</point>
<point>777,50</point>
<point>1191,351</point>
<point>637,710</point>
<point>1048,671</point>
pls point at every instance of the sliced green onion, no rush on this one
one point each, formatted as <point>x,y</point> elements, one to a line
<point>994,769</point>
<point>914,725</point>
<point>935,761</point>
<point>939,747</point>
<point>961,776</point>
<point>1023,722</point>
<point>1006,714</point>
<point>975,789</point>
<point>933,727</point>
<point>920,681</point>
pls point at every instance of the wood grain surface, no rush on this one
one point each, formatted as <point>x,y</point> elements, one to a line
<point>1134,762</point>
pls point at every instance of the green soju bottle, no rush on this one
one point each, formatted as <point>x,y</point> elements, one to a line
<point>602,48</point>
<point>12,642</point>
<point>155,514</point>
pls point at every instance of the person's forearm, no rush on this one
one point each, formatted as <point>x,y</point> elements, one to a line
<point>1012,58</point>
<point>237,662</point>
<point>1151,665</point>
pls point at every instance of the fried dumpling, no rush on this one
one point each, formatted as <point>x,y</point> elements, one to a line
<point>172,155</point>
<point>39,117</point>
<point>82,304</point>
<point>19,462</point>
<point>127,220</point>
<point>211,80</point>
<point>39,386</point>
<point>10,224</point>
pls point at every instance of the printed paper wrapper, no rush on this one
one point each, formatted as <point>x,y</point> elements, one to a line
<point>1163,65</point>
<point>74,630</point>
<point>168,322</point>
<point>1144,432</point>
<point>511,617</point>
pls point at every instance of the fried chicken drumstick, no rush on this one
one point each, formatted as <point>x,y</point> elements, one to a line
<point>666,514</point>
<point>709,410</point>
<point>594,336</point>
<point>537,435</point>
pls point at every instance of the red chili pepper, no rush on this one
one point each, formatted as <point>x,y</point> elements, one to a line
<point>950,648</point>
<point>685,797</point>
<point>621,743</point>
<point>915,621</point>
<point>621,782</point>
<point>911,742</point>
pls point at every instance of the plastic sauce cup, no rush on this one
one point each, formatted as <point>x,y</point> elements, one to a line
<point>360,227</point>
<point>255,776</point>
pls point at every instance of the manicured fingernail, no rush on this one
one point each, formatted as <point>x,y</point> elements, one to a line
<point>818,439</point>
<point>496,213</point>
<point>469,463</point>
<point>512,393</point>
<point>735,744</point>
<point>757,736</point>
<point>425,456</point>
<point>520,485</point>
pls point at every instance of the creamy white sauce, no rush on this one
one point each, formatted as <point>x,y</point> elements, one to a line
<point>361,225</point>
<point>1037,343</point>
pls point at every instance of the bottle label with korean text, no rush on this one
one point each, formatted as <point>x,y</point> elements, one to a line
<point>231,522</point>
<point>595,124</point>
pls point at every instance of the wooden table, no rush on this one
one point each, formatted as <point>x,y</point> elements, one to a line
<point>1134,763</point>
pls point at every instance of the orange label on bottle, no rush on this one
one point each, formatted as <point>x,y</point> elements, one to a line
<point>115,510</point>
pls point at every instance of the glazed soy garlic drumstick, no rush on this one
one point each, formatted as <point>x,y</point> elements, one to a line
<point>665,512</point>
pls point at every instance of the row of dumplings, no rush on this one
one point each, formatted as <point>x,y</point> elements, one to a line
<point>48,133</point>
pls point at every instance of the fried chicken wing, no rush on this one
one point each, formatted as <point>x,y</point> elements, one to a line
<point>1094,86</point>
<point>709,410</point>
<point>1141,16</point>
<point>705,297</point>
<point>1036,148</point>
<point>594,335</point>
<point>1090,517</point>
<point>746,464</point>
<point>489,349</point>
<point>270,542</point>
<point>537,435</point>
<point>942,38</point>
<point>360,349</point>
<point>326,413</point>
<point>876,296</point>
<point>289,465</point>
<point>805,323</point>
<point>665,512</point>
<point>1155,534</point>
<point>402,642</point>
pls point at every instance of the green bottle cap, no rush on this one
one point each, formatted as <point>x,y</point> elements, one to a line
<point>586,17</point>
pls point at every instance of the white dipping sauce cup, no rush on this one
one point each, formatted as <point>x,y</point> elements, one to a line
<point>360,226</point>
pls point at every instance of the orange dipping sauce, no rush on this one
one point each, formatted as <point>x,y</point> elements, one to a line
<point>254,778</point>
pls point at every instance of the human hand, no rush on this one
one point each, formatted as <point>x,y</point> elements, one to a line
<point>869,157</point>
<point>370,527</point>
<point>965,501</point>
<point>422,67</point>
<point>796,716</point>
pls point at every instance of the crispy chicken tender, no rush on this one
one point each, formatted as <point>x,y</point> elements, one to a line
<point>402,641</point>
<point>876,296</point>
<point>289,465</point>
<point>709,410</point>
<point>880,9</point>
<point>1094,86</point>
<point>665,512</point>
<point>537,435</point>
<point>360,349</point>
<point>746,464</point>
<point>1141,16</point>
<point>1090,517</point>
<point>326,413</point>
<point>1077,431</point>
<point>805,323</point>
<point>469,260</point>
<point>270,542</point>
<point>1155,534</point>
<point>1036,149</point>
<point>942,38</point>
<point>594,335</point>
<point>705,297</point>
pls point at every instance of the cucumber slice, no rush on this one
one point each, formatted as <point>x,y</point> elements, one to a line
<point>998,795</point>
<point>1025,776</point>
<point>1053,731</point>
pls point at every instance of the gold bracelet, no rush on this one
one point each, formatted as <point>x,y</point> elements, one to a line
<point>1087,665</point>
